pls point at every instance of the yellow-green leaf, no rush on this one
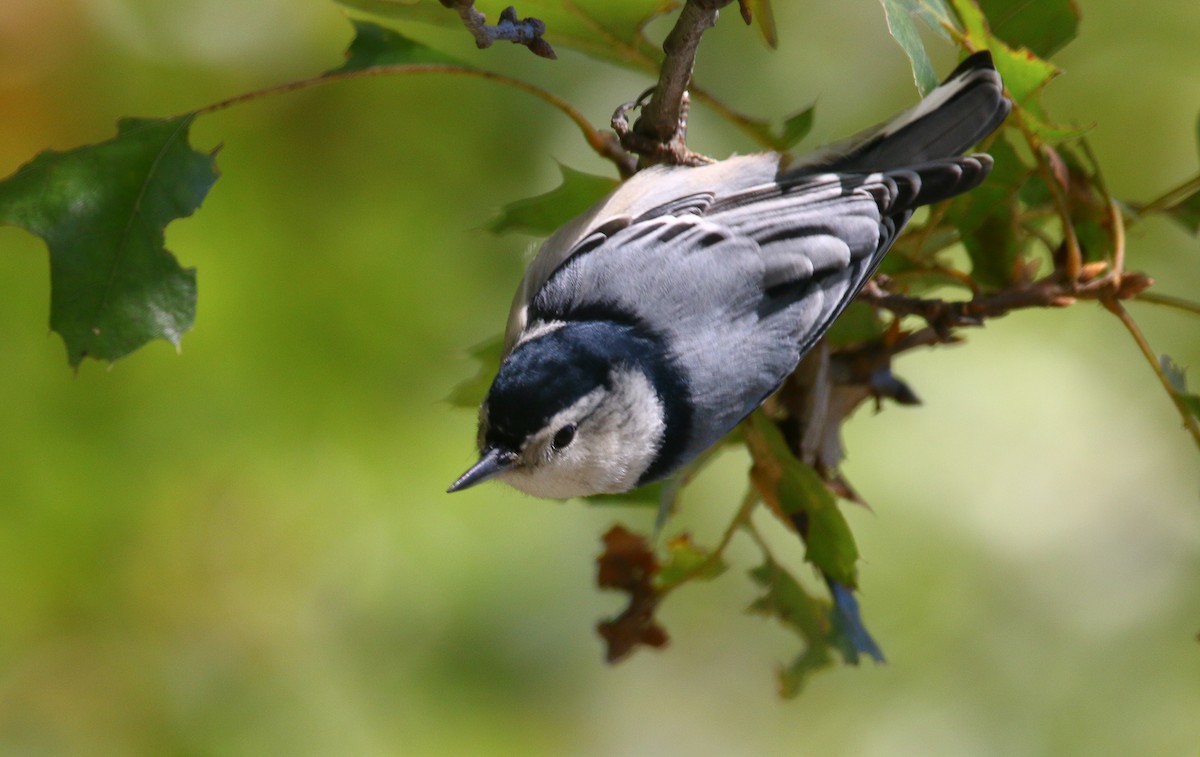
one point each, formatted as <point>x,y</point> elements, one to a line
<point>760,11</point>
<point>687,560</point>
<point>376,45</point>
<point>1044,27</point>
<point>1024,73</point>
<point>542,214</point>
<point>471,392</point>
<point>792,488</point>
<point>783,598</point>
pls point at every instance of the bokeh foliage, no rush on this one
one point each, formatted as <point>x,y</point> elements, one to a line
<point>1022,190</point>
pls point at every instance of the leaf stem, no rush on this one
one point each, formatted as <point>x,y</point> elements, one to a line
<point>1116,219</point>
<point>1189,421</point>
<point>632,54</point>
<point>604,144</point>
<point>1074,256</point>
<point>741,517</point>
<point>1157,298</point>
<point>751,127</point>
<point>1170,197</point>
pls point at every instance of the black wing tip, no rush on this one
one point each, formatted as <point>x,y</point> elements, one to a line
<point>973,62</point>
<point>910,188</point>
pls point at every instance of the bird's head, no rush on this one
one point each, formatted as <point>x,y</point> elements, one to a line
<point>570,413</point>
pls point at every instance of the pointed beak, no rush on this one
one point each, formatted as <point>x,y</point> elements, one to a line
<point>492,463</point>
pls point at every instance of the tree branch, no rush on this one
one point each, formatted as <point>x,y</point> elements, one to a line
<point>660,132</point>
<point>1053,291</point>
<point>526,31</point>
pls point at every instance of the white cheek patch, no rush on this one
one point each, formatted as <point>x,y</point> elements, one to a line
<point>619,433</point>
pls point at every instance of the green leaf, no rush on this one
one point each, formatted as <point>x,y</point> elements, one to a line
<point>376,45</point>
<point>794,489</point>
<point>858,323</point>
<point>1175,374</point>
<point>902,16</point>
<point>782,137</point>
<point>543,214</point>
<point>471,392</point>
<point>986,218</point>
<point>1048,132</point>
<point>644,496</point>
<point>796,127</point>
<point>994,247</point>
<point>1187,212</point>
<point>807,616</point>
<point>1177,378</point>
<point>1023,72</point>
<point>1044,27</point>
<point>687,560</point>
<point>101,210</point>
<point>605,29</point>
<point>1008,178</point>
<point>760,11</point>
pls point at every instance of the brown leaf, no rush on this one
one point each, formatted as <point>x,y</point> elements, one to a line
<point>629,565</point>
<point>627,562</point>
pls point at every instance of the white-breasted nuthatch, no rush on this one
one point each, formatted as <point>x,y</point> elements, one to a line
<point>650,326</point>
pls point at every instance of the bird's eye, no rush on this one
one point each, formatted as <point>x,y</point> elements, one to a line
<point>564,436</point>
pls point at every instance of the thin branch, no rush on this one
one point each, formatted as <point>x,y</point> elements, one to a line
<point>1053,291</point>
<point>1157,298</point>
<point>604,143</point>
<point>751,127</point>
<point>1170,198</point>
<point>525,31</point>
<point>1116,220</point>
<point>633,54</point>
<point>660,131</point>
<point>1189,420</point>
<point>660,118</point>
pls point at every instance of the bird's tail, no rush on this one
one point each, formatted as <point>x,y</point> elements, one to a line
<point>965,108</point>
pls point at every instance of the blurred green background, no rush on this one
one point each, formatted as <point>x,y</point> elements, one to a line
<point>245,548</point>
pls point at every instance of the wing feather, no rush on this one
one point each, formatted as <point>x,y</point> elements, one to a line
<point>741,286</point>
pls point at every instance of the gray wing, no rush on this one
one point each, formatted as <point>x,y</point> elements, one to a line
<point>966,107</point>
<point>658,187</point>
<point>740,287</point>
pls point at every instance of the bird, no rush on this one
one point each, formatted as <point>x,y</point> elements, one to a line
<point>647,328</point>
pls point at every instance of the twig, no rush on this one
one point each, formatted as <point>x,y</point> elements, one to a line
<point>661,116</point>
<point>1053,291</point>
<point>525,31</point>
<point>660,131</point>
